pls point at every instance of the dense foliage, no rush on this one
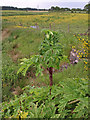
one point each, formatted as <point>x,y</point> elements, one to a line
<point>68,99</point>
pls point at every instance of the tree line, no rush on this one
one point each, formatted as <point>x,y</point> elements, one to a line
<point>15,8</point>
<point>86,8</point>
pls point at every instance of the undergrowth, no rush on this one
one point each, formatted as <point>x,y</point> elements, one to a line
<point>68,99</point>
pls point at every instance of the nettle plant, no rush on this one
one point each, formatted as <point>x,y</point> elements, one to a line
<point>49,57</point>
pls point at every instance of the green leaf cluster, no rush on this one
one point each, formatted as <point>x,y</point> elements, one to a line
<point>50,54</point>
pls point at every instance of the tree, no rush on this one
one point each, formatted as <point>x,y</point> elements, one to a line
<point>49,57</point>
<point>78,9</point>
<point>87,7</point>
<point>67,9</point>
<point>57,8</point>
<point>73,9</point>
<point>52,8</point>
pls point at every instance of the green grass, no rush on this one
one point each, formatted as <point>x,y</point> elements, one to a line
<point>18,12</point>
<point>27,41</point>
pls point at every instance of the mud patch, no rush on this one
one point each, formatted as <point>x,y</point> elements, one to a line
<point>5,34</point>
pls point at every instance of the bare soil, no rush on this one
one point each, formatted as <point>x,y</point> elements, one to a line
<point>5,34</point>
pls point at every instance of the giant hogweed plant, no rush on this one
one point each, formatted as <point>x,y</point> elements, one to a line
<point>49,57</point>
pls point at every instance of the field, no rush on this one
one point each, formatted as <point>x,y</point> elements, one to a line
<point>21,38</point>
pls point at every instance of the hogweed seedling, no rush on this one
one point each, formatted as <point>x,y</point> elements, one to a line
<point>49,57</point>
